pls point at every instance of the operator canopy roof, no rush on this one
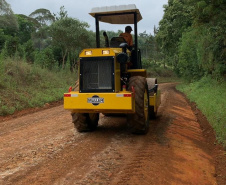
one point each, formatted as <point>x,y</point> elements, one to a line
<point>120,14</point>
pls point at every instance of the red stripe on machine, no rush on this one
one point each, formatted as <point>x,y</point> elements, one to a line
<point>127,95</point>
<point>67,95</point>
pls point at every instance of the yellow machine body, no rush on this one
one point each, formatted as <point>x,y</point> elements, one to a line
<point>155,100</point>
<point>112,52</point>
<point>120,101</point>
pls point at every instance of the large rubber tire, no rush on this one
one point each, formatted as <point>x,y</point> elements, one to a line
<point>139,121</point>
<point>85,122</point>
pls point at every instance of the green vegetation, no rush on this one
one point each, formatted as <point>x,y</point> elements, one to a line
<point>210,97</point>
<point>157,70</point>
<point>23,85</point>
<point>192,38</point>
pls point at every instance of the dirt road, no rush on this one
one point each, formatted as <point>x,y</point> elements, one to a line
<point>43,148</point>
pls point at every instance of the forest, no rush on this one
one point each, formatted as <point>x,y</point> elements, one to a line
<point>48,39</point>
<point>190,38</point>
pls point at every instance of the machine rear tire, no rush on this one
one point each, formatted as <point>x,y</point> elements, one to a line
<point>85,122</point>
<point>139,121</point>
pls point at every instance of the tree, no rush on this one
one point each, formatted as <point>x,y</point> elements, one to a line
<point>41,37</point>
<point>11,46</point>
<point>29,51</point>
<point>27,26</point>
<point>177,18</point>
<point>142,43</point>
<point>192,37</point>
<point>8,27</point>
<point>45,58</point>
<point>43,16</point>
<point>69,34</point>
<point>209,26</point>
<point>62,14</point>
<point>7,18</point>
<point>2,39</point>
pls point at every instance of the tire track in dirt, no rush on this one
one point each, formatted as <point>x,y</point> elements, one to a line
<point>60,153</point>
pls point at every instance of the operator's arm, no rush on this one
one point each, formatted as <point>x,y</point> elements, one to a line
<point>130,40</point>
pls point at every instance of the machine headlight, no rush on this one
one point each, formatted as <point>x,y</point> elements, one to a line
<point>88,52</point>
<point>105,52</point>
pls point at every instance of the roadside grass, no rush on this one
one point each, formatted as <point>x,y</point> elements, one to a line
<point>23,85</point>
<point>210,97</point>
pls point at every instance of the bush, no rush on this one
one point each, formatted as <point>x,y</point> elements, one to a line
<point>201,52</point>
<point>45,58</point>
<point>189,66</point>
<point>29,51</point>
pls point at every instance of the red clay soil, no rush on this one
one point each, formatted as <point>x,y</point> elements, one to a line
<point>180,148</point>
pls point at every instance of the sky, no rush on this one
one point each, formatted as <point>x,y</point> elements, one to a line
<point>151,10</point>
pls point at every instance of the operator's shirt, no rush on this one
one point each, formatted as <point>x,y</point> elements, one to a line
<point>127,37</point>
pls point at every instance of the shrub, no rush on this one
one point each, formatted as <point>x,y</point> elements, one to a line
<point>45,58</point>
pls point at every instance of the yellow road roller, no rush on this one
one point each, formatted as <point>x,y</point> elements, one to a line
<point>111,79</point>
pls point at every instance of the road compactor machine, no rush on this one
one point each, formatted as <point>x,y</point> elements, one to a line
<point>111,78</point>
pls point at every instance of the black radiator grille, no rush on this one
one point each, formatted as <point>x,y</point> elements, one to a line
<point>97,74</point>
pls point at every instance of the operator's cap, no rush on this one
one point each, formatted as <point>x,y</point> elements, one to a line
<point>128,28</point>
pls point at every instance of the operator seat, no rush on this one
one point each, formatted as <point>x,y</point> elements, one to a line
<point>116,41</point>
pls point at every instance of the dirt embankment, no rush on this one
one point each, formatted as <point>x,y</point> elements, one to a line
<point>180,148</point>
